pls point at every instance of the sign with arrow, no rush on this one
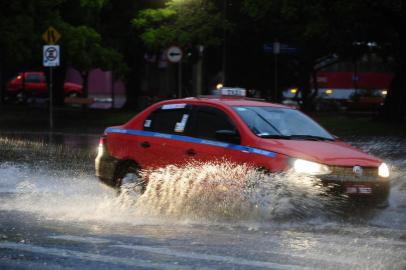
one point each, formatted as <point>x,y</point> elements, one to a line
<point>51,36</point>
<point>174,54</point>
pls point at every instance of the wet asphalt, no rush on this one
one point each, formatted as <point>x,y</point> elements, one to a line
<point>54,214</point>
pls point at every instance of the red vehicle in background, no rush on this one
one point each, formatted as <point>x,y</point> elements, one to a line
<point>33,84</point>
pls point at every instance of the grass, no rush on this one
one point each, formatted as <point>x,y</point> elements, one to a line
<point>344,125</point>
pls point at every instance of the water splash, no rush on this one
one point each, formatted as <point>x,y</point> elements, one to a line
<point>229,191</point>
<point>196,192</point>
<point>60,185</point>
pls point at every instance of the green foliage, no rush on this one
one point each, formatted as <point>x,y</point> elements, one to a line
<point>21,29</point>
<point>93,4</point>
<point>84,50</point>
<point>182,23</point>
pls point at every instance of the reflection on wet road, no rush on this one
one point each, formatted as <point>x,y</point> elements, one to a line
<point>55,215</point>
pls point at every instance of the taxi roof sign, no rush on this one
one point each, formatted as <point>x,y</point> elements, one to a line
<point>230,91</point>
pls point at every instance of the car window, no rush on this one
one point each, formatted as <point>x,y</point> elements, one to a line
<point>209,120</point>
<point>42,78</point>
<point>33,78</point>
<point>169,119</point>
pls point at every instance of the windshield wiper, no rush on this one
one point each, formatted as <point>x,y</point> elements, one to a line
<point>310,138</point>
<point>273,136</point>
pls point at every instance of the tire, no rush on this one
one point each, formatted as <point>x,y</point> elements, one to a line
<point>127,177</point>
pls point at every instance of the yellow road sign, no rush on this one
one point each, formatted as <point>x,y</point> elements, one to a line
<point>51,36</point>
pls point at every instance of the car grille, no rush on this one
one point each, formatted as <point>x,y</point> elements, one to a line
<point>339,173</point>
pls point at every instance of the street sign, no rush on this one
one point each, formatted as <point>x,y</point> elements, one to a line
<point>51,55</point>
<point>51,36</point>
<point>279,48</point>
<point>174,54</point>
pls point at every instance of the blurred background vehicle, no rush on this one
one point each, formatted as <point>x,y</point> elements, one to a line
<point>32,84</point>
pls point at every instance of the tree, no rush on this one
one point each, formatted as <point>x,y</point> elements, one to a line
<point>311,26</point>
<point>84,45</point>
<point>181,22</point>
<point>85,52</point>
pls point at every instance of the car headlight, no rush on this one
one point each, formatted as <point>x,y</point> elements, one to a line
<point>383,170</point>
<point>310,167</point>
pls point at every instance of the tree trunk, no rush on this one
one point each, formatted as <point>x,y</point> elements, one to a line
<point>2,85</point>
<point>395,102</point>
<point>85,81</point>
<point>132,92</point>
<point>305,89</point>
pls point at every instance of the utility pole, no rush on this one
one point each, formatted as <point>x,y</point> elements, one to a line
<point>276,51</point>
<point>224,59</point>
<point>180,79</point>
<point>199,71</point>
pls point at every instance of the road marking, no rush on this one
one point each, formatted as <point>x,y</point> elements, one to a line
<point>224,259</point>
<point>90,257</point>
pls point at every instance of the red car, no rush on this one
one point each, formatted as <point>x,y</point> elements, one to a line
<point>33,84</point>
<point>264,135</point>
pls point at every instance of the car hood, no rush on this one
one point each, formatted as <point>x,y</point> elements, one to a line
<point>334,153</point>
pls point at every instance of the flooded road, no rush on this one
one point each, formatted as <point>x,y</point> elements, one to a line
<point>54,214</point>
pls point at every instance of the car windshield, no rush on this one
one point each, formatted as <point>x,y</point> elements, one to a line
<point>281,123</point>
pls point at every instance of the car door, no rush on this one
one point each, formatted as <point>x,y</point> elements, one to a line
<point>35,84</point>
<point>207,121</point>
<point>164,138</point>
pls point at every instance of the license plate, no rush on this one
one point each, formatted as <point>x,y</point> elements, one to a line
<point>358,189</point>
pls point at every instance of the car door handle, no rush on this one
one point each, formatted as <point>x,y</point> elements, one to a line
<point>190,152</point>
<point>145,144</point>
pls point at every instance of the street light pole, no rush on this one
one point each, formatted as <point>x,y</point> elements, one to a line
<point>276,51</point>
<point>199,70</point>
<point>224,60</point>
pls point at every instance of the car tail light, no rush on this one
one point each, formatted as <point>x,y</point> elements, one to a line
<point>103,139</point>
<point>102,145</point>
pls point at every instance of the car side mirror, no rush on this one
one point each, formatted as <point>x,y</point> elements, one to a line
<point>226,135</point>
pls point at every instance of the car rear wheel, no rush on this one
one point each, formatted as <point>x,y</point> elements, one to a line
<point>128,179</point>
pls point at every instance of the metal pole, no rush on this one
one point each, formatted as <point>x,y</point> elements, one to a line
<point>51,100</point>
<point>112,89</point>
<point>224,60</point>
<point>180,79</point>
<point>276,78</point>
<point>199,71</point>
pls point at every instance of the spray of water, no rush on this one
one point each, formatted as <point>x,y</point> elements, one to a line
<point>58,183</point>
<point>195,192</point>
<point>225,190</point>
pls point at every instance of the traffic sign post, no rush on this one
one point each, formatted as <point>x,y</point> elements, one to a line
<point>174,54</point>
<point>51,59</point>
